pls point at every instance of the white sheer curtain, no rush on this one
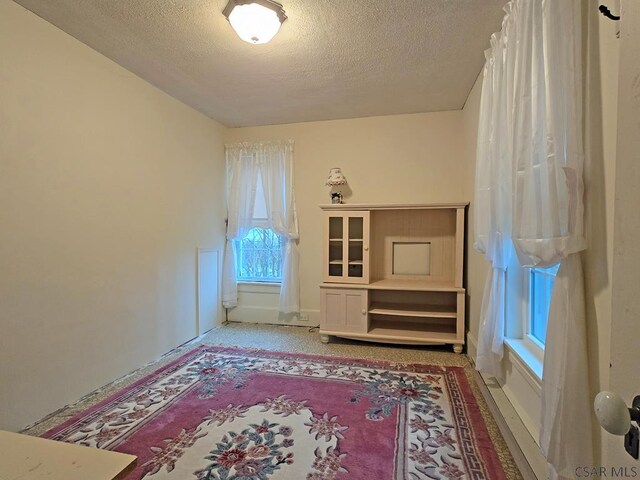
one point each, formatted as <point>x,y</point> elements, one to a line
<point>493,199</point>
<point>276,166</point>
<point>273,163</point>
<point>242,179</point>
<point>531,131</point>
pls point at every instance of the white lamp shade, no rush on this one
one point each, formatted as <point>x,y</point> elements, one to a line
<point>335,178</point>
<point>612,413</point>
<point>254,23</point>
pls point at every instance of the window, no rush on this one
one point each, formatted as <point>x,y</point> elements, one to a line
<point>540,285</point>
<point>528,298</point>
<point>259,253</point>
<point>259,256</point>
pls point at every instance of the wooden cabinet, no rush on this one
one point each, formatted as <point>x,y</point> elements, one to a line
<point>394,273</point>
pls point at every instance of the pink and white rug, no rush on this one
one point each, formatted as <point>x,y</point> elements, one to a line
<point>237,414</point>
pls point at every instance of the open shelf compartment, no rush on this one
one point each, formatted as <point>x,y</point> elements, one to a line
<point>433,330</point>
<point>416,304</point>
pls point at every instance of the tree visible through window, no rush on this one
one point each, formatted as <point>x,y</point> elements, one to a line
<point>259,256</point>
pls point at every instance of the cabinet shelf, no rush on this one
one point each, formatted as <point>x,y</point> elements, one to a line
<point>390,329</point>
<point>335,262</point>
<point>413,285</point>
<point>335,240</point>
<point>413,310</point>
<point>404,285</point>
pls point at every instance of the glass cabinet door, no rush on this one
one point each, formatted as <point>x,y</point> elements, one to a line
<point>347,247</point>
<point>355,247</point>
<point>335,259</point>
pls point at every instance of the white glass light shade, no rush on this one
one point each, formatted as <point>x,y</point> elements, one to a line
<point>335,178</point>
<point>254,23</point>
<point>612,413</point>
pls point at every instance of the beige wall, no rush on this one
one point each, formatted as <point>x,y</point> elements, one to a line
<point>394,159</point>
<point>107,187</point>
<point>477,266</point>
<point>625,353</point>
<point>601,94</point>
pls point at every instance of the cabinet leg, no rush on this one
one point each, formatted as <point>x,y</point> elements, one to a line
<point>457,348</point>
<point>324,338</point>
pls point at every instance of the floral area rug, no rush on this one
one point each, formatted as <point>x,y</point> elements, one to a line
<point>236,414</point>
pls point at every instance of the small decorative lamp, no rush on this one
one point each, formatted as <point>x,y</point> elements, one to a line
<point>255,21</point>
<point>336,178</point>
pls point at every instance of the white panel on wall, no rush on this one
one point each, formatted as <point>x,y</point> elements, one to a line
<point>208,290</point>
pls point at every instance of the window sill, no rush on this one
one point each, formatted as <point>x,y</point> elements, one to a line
<point>528,354</point>
<point>259,287</point>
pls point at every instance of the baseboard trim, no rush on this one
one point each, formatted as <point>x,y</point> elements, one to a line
<point>472,347</point>
<point>265,315</point>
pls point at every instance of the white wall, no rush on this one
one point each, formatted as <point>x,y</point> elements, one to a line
<point>477,266</point>
<point>601,97</point>
<point>107,187</point>
<point>396,159</point>
<point>625,353</point>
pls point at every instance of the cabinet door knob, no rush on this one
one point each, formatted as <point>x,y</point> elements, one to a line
<point>364,312</point>
<point>366,249</point>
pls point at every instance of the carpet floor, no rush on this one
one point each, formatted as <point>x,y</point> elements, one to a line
<point>219,413</point>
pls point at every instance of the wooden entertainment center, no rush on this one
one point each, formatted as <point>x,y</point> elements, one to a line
<point>394,273</point>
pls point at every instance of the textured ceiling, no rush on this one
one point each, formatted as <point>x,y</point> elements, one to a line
<point>331,59</point>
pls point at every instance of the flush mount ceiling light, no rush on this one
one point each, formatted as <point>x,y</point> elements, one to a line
<point>255,21</point>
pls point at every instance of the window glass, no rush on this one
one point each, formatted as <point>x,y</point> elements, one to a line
<point>260,204</point>
<point>541,283</point>
<point>259,256</point>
